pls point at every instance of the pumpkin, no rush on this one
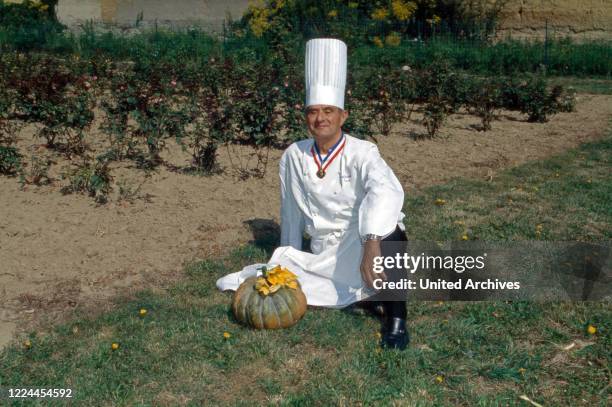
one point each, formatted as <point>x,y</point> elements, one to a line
<point>274,300</point>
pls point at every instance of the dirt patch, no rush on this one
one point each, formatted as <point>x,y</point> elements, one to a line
<point>58,252</point>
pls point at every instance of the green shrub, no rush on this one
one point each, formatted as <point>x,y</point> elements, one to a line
<point>536,101</point>
<point>36,171</point>
<point>10,160</point>
<point>211,112</point>
<point>566,101</point>
<point>434,115</point>
<point>91,177</point>
<point>28,25</point>
<point>150,96</point>
<point>52,92</point>
<point>483,100</point>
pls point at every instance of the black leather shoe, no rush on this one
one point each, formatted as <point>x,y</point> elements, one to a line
<point>395,335</point>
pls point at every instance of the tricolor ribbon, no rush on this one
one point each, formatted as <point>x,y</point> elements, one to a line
<point>322,164</point>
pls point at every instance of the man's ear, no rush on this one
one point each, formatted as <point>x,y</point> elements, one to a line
<point>345,115</point>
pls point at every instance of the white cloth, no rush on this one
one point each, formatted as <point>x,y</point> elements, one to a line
<point>325,76</point>
<point>359,195</point>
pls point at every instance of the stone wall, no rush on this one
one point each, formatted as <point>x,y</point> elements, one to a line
<point>580,19</point>
<point>125,13</point>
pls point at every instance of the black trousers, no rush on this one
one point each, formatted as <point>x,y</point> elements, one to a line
<point>395,308</point>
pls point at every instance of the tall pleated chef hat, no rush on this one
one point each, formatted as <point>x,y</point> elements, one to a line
<point>325,72</point>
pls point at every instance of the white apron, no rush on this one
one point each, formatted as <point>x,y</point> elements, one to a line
<point>359,195</point>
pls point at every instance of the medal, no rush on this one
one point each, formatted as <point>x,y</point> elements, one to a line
<point>322,164</point>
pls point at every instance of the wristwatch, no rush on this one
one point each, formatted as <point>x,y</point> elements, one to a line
<point>370,236</point>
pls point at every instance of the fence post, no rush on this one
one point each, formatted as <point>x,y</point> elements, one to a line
<point>546,47</point>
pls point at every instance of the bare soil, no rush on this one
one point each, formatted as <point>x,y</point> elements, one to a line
<point>62,252</point>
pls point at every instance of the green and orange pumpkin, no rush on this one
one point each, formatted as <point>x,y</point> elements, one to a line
<point>271,301</point>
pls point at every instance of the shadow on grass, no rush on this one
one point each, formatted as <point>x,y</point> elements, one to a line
<point>266,234</point>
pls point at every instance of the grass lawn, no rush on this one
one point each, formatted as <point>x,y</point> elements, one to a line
<point>585,85</point>
<point>484,354</point>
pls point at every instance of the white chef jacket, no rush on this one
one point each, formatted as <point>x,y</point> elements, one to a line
<point>359,195</point>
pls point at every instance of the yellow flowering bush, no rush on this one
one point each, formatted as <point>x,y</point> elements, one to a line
<point>393,39</point>
<point>403,10</point>
<point>261,13</point>
<point>350,20</point>
<point>272,280</point>
<point>380,14</point>
<point>434,20</point>
<point>259,18</point>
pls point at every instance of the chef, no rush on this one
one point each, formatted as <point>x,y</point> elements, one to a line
<point>339,191</point>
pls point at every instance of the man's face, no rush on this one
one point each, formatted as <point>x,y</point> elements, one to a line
<point>325,121</point>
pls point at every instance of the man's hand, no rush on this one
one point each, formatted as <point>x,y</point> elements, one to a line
<point>371,250</point>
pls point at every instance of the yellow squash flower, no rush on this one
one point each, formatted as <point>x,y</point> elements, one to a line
<point>274,279</point>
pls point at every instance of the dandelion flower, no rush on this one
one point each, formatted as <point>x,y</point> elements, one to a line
<point>114,346</point>
<point>227,335</point>
<point>439,378</point>
<point>591,330</point>
<point>142,312</point>
<point>465,237</point>
<point>440,201</point>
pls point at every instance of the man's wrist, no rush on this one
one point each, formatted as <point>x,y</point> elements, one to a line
<point>370,237</point>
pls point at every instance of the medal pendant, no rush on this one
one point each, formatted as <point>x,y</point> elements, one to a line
<point>320,173</point>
